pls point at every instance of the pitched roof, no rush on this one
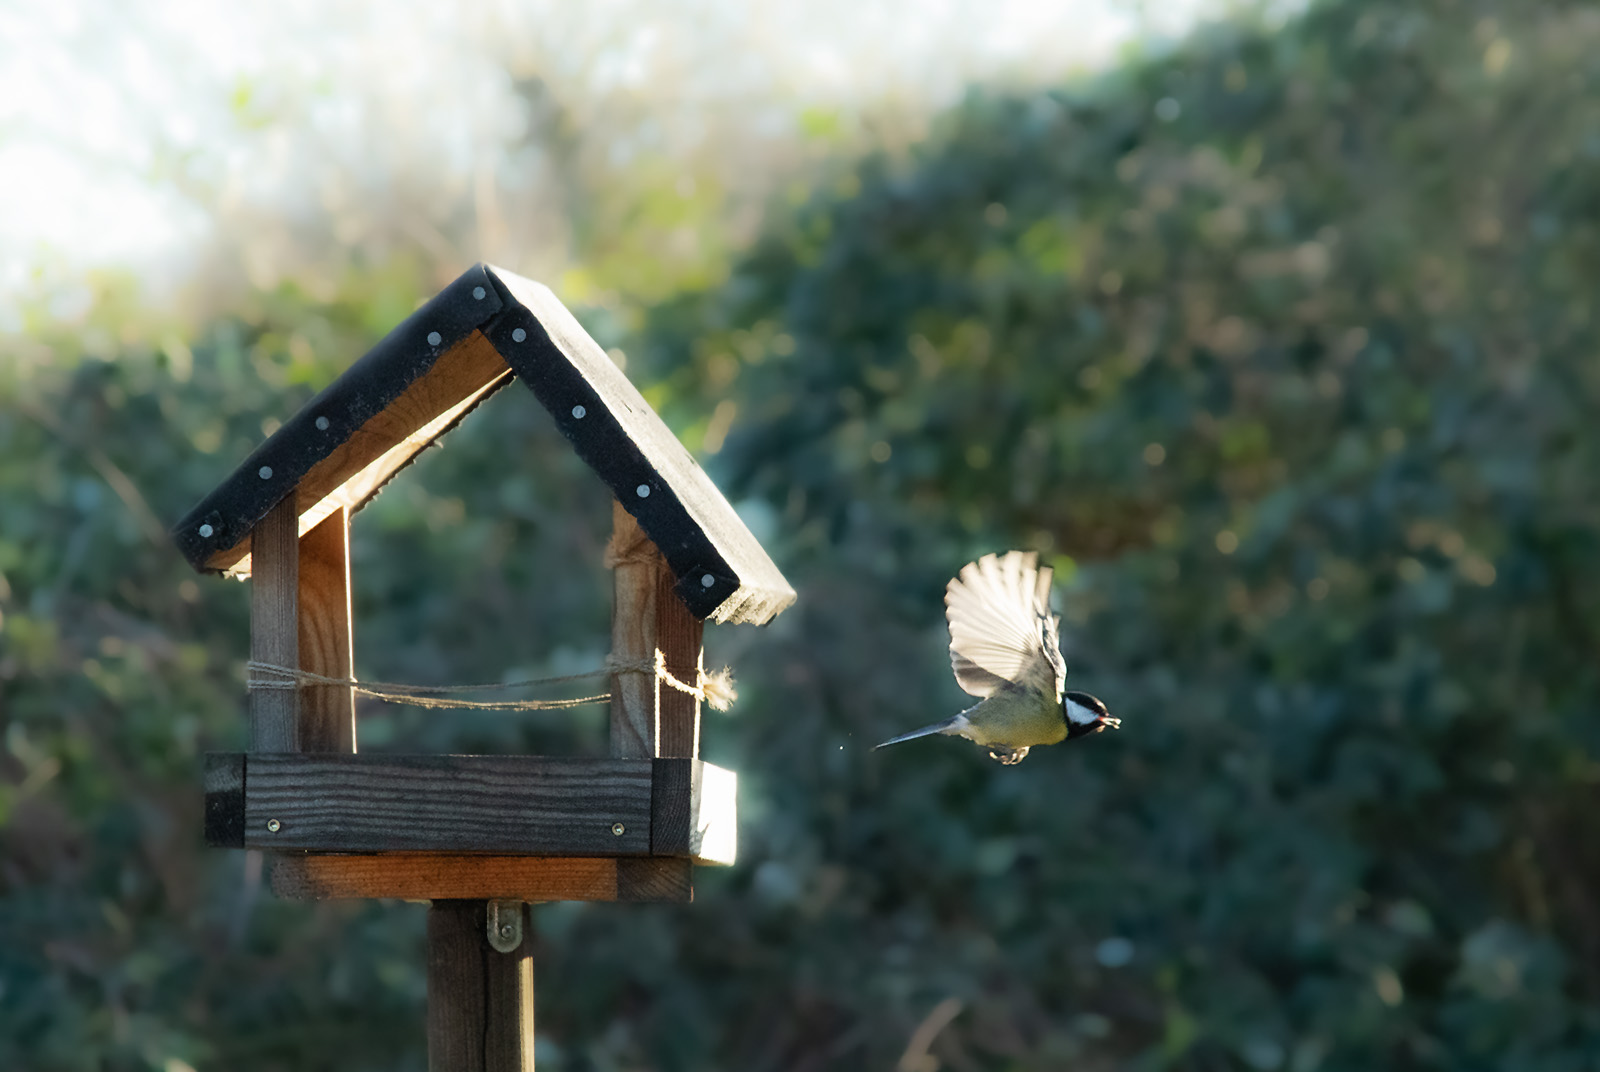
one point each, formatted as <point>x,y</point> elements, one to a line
<point>471,339</point>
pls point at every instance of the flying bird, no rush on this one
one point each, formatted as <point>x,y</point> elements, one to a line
<point>1004,647</point>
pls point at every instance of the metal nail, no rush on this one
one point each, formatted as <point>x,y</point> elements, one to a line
<point>273,826</point>
<point>517,335</point>
<point>618,829</point>
<point>434,338</point>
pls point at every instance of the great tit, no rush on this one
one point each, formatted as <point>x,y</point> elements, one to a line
<point>1004,647</point>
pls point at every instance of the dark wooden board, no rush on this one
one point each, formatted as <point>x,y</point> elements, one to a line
<point>629,447</point>
<point>694,811</point>
<point>493,804</point>
<point>409,390</point>
<point>359,430</point>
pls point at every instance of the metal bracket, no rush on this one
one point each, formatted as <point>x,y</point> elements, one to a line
<point>505,926</point>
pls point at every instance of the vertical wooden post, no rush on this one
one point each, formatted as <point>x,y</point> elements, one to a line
<point>480,1001</point>
<point>633,636</point>
<point>274,625</point>
<point>637,728</point>
<point>327,712</point>
<point>678,635</point>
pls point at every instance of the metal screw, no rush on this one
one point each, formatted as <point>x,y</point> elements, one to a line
<point>322,424</point>
<point>517,335</point>
<point>618,829</point>
<point>206,531</point>
<point>506,929</point>
<point>706,581</point>
<point>434,338</point>
<point>265,472</point>
<point>478,292</point>
<point>579,412</point>
<point>643,490</point>
<point>273,826</point>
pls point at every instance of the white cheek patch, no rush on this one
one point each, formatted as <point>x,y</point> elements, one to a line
<point>1078,714</point>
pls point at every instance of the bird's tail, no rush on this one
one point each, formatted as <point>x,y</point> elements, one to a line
<point>949,725</point>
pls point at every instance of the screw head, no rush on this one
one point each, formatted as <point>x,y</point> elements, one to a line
<point>517,335</point>
<point>434,338</point>
<point>322,424</point>
<point>578,412</point>
<point>273,826</point>
<point>478,292</point>
<point>706,580</point>
<point>618,829</point>
<point>265,472</point>
<point>643,490</point>
<point>506,930</point>
<point>206,531</point>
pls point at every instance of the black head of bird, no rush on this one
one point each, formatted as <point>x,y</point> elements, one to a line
<point>1005,648</point>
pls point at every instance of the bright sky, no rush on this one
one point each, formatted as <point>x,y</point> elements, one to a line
<point>139,134</point>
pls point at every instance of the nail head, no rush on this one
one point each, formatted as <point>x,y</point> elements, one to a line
<point>478,292</point>
<point>618,829</point>
<point>206,531</point>
<point>322,424</point>
<point>273,826</point>
<point>434,338</point>
<point>579,412</point>
<point>265,472</point>
<point>643,490</point>
<point>517,335</point>
<point>706,580</point>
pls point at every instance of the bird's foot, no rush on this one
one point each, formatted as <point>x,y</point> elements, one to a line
<point>1009,756</point>
<point>1114,723</point>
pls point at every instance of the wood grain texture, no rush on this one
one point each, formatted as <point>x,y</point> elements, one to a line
<point>372,802</point>
<point>694,811</point>
<point>655,879</point>
<point>633,636</point>
<point>327,712</point>
<point>678,635</point>
<point>435,876</point>
<point>224,782</point>
<point>274,626</point>
<point>480,1001</point>
<point>354,470</point>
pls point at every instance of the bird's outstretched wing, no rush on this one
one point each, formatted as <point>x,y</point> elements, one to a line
<point>1001,628</point>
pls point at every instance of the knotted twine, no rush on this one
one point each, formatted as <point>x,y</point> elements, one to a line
<point>716,689</point>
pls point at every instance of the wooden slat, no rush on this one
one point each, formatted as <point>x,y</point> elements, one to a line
<point>359,466</point>
<point>633,636</point>
<point>327,712</point>
<point>274,628</point>
<point>434,876</point>
<point>694,811</point>
<point>497,804</point>
<point>480,1001</point>
<point>678,635</point>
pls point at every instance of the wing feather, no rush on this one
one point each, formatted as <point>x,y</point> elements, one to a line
<point>1001,628</point>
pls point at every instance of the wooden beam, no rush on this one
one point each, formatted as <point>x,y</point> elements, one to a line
<point>224,780</point>
<point>635,728</point>
<point>327,712</point>
<point>374,802</point>
<point>274,627</point>
<point>636,562</point>
<point>678,635</point>
<point>437,876</point>
<point>480,1001</point>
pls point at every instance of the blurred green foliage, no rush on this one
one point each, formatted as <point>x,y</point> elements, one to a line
<point>1279,346</point>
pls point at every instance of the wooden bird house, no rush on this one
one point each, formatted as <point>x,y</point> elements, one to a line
<point>478,836</point>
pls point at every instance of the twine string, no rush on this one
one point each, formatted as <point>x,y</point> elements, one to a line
<point>714,689</point>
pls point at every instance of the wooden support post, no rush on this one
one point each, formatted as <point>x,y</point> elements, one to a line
<point>480,1001</point>
<point>635,713</point>
<point>327,712</point>
<point>636,563</point>
<point>274,628</point>
<point>678,635</point>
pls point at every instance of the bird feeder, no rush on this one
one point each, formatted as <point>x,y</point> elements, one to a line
<point>480,837</point>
